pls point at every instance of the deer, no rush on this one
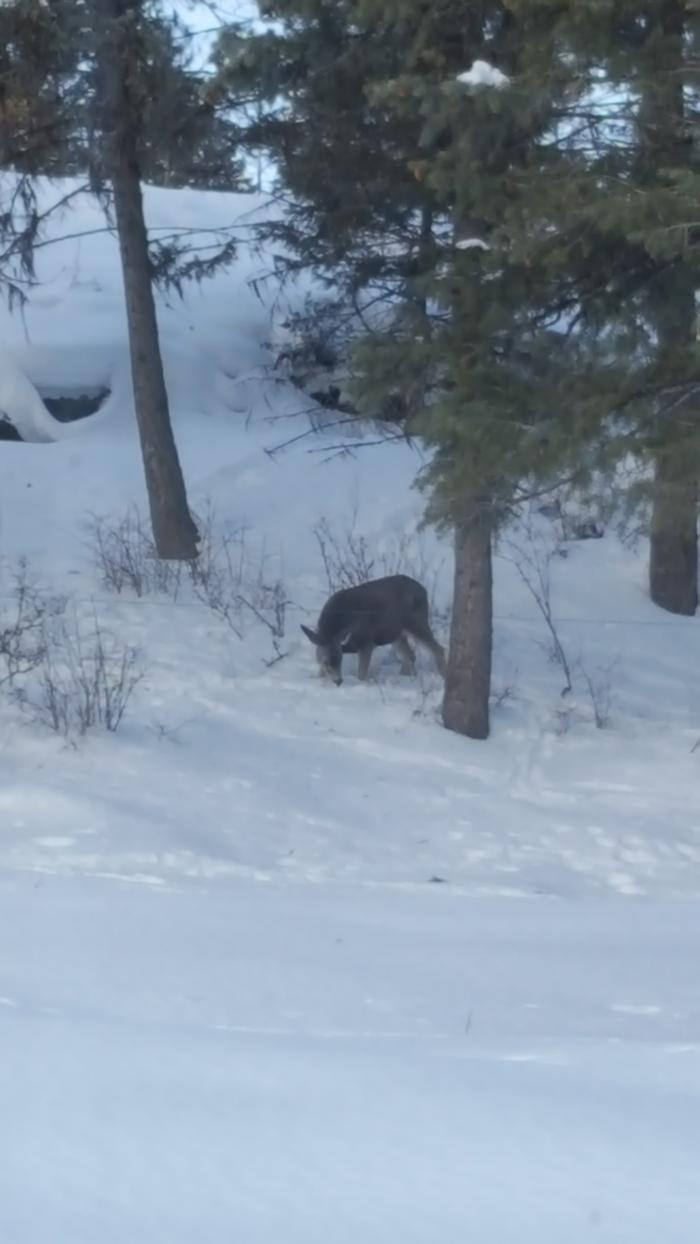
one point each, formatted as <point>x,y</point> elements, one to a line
<point>372,615</point>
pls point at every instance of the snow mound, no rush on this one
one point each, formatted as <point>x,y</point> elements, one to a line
<point>20,404</point>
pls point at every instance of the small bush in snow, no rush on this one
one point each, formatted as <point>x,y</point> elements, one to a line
<point>219,572</point>
<point>239,582</point>
<point>23,616</point>
<point>532,556</point>
<point>600,685</point>
<point>346,557</point>
<point>502,695</point>
<point>68,676</point>
<point>267,601</point>
<point>125,556</point>
<point>85,679</point>
<point>230,576</point>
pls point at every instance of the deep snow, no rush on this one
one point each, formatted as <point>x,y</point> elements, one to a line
<point>284,960</point>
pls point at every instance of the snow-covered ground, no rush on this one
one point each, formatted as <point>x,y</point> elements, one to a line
<point>268,1063</point>
<point>286,961</point>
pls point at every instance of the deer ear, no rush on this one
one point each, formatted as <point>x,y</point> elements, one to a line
<point>310,635</point>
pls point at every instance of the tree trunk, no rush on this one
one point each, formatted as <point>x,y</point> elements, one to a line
<point>174,531</point>
<point>673,558</point>
<point>665,141</point>
<point>465,707</point>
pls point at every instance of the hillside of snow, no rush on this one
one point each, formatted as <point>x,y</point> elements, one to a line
<point>285,960</point>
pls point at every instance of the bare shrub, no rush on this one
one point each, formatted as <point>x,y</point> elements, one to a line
<point>86,678</point>
<point>125,556</point>
<point>231,575</point>
<point>600,686</point>
<point>504,689</point>
<point>502,695</point>
<point>345,555</point>
<point>219,572</point>
<point>532,558</point>
<point>22,625</point>
<point>268,603</point>
<point>233,578</point>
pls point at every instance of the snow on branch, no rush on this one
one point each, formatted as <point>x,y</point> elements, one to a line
<point>469,244</point>
<point>483,74</point>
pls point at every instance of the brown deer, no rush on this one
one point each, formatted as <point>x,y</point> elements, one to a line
<point>360,619</point>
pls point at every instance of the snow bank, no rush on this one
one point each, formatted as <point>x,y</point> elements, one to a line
<point>20,404</point>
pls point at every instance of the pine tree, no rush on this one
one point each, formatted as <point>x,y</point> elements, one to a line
<point>441,206</point>
<point>644,252</point>
<point>35,64</point>
<point>102,86</point>
<point>47,85</point>
<point>37,72</point>
<point>354,210</point>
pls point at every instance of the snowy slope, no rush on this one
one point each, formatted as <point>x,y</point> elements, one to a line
<point>236,1001</point>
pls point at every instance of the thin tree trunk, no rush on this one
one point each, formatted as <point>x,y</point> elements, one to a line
<point>673,557</point>
<point>174,531</point>
<point>465,707</point>
<point>663,132</point>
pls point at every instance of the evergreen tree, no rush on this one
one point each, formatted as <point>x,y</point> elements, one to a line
<point>442,205</point>
<point>37,65</point>
<point>102,85</point>
<point>342,175</point>
<point>37,76</point>
<point>642,225</point>
<point>47,85</point>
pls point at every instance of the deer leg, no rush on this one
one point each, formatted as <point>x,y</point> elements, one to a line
<point>363,662</point>
<point>427,639</point>
<point>407,655</point>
